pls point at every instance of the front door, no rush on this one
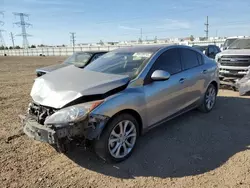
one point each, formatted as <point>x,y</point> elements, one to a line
<point>165,98</point>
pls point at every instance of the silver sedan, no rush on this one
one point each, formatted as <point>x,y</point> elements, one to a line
<point>120,96</point>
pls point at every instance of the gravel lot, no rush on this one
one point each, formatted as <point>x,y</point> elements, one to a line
<point>194,150</point>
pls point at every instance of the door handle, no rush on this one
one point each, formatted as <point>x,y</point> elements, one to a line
<point>204,71</point>
<point>182,80</point>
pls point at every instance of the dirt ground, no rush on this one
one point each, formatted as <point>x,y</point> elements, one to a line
<point>194,150</point>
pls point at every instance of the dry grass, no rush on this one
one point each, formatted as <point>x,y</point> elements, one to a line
<point>195,150</point>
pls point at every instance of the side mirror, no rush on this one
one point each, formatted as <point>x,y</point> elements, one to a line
<point>160,75</point>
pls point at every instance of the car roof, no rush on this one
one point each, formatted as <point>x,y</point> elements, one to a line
<point>92,52</point>
<point>141,48</point>
<point>204,45</point>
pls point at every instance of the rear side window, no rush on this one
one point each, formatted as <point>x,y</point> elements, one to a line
<point>200,58</point>
<point>169,61</point>
<point>189,58</point>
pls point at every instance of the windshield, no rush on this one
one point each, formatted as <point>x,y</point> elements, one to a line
<point>228,42</point>
<point>78,59</point>
<point>124,63</point>
<point>240,44</point>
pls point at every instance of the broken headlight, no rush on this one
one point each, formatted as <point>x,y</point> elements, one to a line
<point>72,114</point>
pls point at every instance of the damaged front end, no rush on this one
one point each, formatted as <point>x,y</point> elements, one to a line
<point>59,127</point>
<point>243,84</point>
<point>233,69</point>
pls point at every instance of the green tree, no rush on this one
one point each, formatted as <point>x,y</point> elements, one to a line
<point>140,40</point>
<point>1,47</point>
<point>10,47</point>
<point>6,48</point>
<point>191,38</point>
<point>17,47</point>
<point>32,46</point>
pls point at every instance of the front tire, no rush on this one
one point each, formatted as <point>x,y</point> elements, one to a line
<point>118,139</point>
<point>209,99</point>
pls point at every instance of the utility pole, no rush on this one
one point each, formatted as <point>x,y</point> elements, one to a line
<point>23,25</point>
<point>73,39</point>
<point>12,39</point>
<point>1,22</point>
<point>2,43</point>
<point>141,33</point>
<point>206,30</point>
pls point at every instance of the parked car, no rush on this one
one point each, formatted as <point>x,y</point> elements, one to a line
<point>79,59</point>
<point>234,63</point>
<point>208,50</point>
<point>229,41</point>
<point>120,96</point>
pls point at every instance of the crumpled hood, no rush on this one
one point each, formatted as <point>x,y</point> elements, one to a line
<point>235,52</point>
<point>51,67</point>
<point>70,83</point>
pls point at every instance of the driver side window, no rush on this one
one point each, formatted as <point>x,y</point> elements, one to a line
<point>169,61</point>
<point>211,51</point>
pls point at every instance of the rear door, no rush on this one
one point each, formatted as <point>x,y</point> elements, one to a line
<point>194,75</point>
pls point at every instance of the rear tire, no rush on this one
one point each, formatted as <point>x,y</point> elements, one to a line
<point>209,99</point>
<point>118,139</point>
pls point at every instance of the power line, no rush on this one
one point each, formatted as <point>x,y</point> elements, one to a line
<point>206,30</point>
<point>23,25</point>
<point>155,19</point>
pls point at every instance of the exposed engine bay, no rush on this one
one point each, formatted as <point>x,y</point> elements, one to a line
<point>40,113</point>
<point>59,136</point>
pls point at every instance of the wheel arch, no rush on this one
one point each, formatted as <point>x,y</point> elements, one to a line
<point>216,85</point>
<point>132,112</point>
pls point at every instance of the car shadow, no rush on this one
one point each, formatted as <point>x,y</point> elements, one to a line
<point>191,144</point>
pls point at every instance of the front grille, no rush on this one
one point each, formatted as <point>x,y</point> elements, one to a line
<point>238,64</point>
<point>39,112</point>
<point>236,60</point>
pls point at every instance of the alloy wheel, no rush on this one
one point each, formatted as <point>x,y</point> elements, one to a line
<point>122,139</point>
<point>210,98</point>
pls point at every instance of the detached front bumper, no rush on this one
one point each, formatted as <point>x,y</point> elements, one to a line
<point>89,129</point>
<point>39,132</point>
<point>229,75</point>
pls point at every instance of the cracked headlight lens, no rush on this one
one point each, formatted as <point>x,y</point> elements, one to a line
<point>72,114</point>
